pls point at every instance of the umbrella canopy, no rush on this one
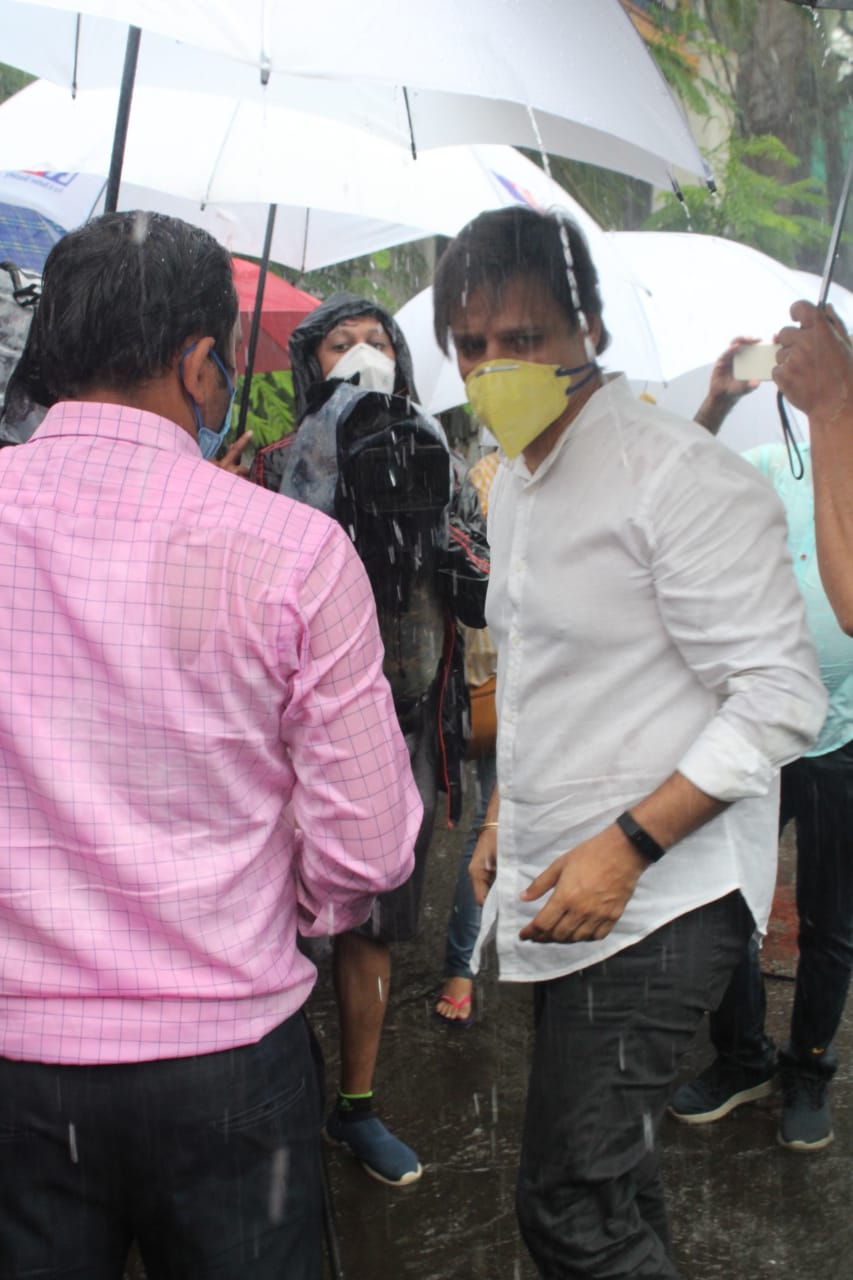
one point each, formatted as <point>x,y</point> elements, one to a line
<point>579,80</point>
<point>754,420</point>
<point>26,236</point>
<point>701,291</point>
<point>340,192</point>
<point>283,308</point>
<point>305,236</point>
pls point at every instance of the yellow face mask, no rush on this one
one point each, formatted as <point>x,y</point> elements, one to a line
<point>518,399</point>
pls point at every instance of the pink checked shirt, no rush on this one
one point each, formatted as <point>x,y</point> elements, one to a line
<point>199,750</point>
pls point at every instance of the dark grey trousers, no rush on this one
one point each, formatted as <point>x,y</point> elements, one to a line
<point>608,1040</point>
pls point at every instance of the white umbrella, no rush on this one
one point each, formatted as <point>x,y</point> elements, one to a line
<point>571,77</point>
<point>371,194</point>
<point>366,193</point>
<point>242,158</point>
<point>701,291</point>
<point>754,420</point>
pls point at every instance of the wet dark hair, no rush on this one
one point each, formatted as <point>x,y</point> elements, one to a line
<point>120,297</point>
<point>502,245</point>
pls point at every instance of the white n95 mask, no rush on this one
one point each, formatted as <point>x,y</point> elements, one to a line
<point>375,371</point>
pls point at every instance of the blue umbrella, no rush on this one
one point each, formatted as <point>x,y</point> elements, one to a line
<point>26,236</point>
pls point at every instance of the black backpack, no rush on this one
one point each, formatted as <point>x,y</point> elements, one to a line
<point>393,491</point>
<point>23,399</point>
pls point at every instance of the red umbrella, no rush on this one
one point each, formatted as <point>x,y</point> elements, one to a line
<point>283,308</point>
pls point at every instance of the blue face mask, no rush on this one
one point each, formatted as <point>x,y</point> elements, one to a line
<point>209,441</point>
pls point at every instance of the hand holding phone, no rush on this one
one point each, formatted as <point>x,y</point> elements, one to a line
<point>756,362</point>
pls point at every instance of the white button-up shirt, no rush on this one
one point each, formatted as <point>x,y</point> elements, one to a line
<point>647,620</point>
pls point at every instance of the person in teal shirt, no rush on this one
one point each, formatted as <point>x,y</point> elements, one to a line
<point>817,793</point>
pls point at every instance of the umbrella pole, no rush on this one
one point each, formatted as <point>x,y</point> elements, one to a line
<point>835,238</point>
<point>131,54</point>
<point>256,321</point>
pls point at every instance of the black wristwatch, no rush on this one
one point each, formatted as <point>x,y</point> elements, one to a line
<point>640,838</point>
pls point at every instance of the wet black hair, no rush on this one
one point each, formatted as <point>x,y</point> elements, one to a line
<point>502,245</point>
<point>121,296</point>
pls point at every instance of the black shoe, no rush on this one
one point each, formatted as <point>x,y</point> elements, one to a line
<point>720,1088</point>
<point>806,1117</point>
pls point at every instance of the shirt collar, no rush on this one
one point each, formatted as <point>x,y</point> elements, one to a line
<point>612,384</point>
<point>115,422</point>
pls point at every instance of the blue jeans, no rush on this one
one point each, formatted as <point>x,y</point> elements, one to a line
<point>212,1163</point>
<point>608,1040</point>
<point>464,923</point>
<point>817,792</point>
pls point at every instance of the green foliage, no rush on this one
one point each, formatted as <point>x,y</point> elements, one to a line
<point>271,408</point>
<point>390,276</point>
<point>11,80</point>
<point>682,38</point>
<point>616,201</point>
<point>755,208</point>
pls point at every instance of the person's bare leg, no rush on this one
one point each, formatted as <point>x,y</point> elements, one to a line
<point>362,972</point>
<point>362,976</point>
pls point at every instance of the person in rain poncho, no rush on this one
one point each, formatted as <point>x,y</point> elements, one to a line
<point>193,722</point>
<point>349,353</point>
<point>654,672</point>
<point>22,409</point>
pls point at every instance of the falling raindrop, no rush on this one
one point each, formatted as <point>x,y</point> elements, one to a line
<point>72,1144</point>
<point>278,1185</point>
<point>139,230</point>
<point>648,1131</point>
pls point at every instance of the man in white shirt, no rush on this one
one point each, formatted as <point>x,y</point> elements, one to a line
<point>654,672</point>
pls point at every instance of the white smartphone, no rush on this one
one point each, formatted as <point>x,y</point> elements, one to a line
<point>756,362</point>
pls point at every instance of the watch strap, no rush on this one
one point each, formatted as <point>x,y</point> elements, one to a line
<point>639,837</point>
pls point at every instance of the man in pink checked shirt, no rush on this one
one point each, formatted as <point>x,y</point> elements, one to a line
<point>200,759</point>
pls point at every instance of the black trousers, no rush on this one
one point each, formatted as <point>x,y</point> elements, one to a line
<point>817,792</point>
<point>211,1162</point>
<point>608,1040</point>
<point>396,914</point>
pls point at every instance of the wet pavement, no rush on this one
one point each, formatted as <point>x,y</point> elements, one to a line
<point>742,1208</point>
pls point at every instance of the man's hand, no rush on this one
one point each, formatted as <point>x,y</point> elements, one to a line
<point>483,865</point>
<point>815,366</point>
<point>230,460</point>
<point>724,389</point>
<point>592,884</point>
